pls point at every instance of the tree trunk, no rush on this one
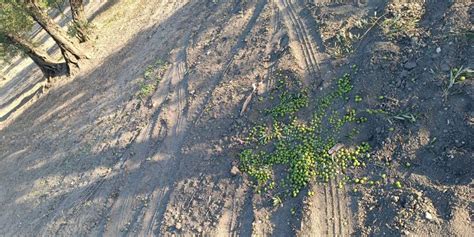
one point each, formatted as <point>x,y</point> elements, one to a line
<point>69,49</point>
<point>49,66</point>
<point>80,20</point>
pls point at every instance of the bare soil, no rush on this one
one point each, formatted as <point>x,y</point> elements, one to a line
<point>94,155</point>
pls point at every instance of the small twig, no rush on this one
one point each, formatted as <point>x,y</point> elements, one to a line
<point>368,30</point>
<point>247,101</point>
<point>335,148</point>
<point>393,100</point>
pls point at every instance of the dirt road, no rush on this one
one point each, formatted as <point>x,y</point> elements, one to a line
<point>97,155</point>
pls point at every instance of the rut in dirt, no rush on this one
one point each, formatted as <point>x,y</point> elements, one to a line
<point>136,192</point>
<point>132,215</point>
<point>169,155</point>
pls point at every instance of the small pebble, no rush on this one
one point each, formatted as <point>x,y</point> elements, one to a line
<point>234,171</point>
<point>428,216</point>
<point>395,198</point>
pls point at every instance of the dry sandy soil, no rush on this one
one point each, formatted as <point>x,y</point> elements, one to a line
<point>101,154</point>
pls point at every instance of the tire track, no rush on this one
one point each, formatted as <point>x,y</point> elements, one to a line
<point>160,197</point>
<point>72,204</point>
<point>335,212</point>
<point>128,213</point>
<point>308,40</point>
<point>347,211</point>
<point>278,44</point>
<point>336,215</point>
<point>330,214</point>
<point>240,43</point>
<point>132,176</point>
<point>333,2</point>
<point>327,198</point>
<point>340,198</point>
<point>161,157</point>
<point>68,207</point>
<point>304,49</point>
<point>237,216</point>
<point>178,119</point>
<point>229,220</point>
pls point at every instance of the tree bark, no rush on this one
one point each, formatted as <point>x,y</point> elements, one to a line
<point>69,49</point>
<point>49,66</point>
<point>80,20</point>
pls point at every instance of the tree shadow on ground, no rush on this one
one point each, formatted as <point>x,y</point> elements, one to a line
<point>62,168</point>
<point>29,75</point>
<point>91,148</point>
<point>109,4</point>
<point>435,145</point>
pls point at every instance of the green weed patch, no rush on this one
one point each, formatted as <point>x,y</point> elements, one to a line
<point>299,150</point>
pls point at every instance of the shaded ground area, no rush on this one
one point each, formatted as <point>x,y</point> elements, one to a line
<point>143,140</point>
<point>22,81</point>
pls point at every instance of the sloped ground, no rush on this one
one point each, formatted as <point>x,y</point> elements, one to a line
<point>135,146</point>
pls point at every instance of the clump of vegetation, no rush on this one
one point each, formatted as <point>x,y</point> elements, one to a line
<point>343,44</point>
<point>290,104</point>
<point>391,117</point>
<point>405,117</point>
<point>290,100</point>
<point>340,42</point>
<point>457,76</point>
<point>304,150</point>
<point>146,89</point>
<point>402,20</point>
<point>152,76</point>
<point>155,71</point>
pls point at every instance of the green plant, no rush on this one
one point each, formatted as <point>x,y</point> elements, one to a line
<point>402,116</point>
<point>155,70</point>
<point>291,98</point>
<point>146,90</point>
<point>456,76</point>
<point>290,104</point>
<point>304,148</point>
<point>152,76</point>
<point>343,43</point>
<point>405,117</point>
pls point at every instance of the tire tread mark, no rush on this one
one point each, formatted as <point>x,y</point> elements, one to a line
<point>328,209</point>
<point>306,37</point>
<point>334,214</point>
<point>300,31</point>
<point>294,26</point>
<point>340,206</point>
